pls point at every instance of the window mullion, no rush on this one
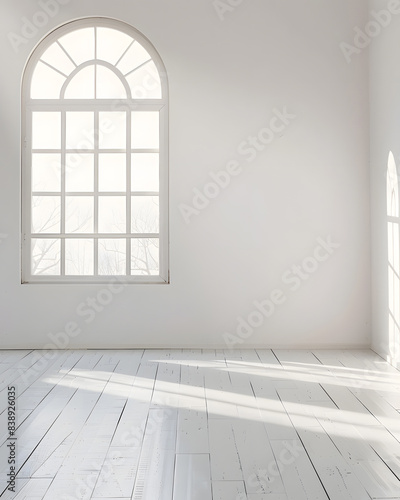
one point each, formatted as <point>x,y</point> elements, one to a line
<point>95,65</point>
<point>63,169</point>
<point>96,192</point>
<point>128,190</point>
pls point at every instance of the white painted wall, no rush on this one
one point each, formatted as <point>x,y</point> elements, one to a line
<point>385,138</point>
<point>226,78</point>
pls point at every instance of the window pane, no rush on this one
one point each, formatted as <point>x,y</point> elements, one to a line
<point>112,257</point>
<point>79,215</point>
<point>393,246</point>
<point>112,214</point>
<point>82,85</point>
<point>109,86</point>
<point>79,172</point>
<point>145,214</point>
<point>111,44</point>
<point>57,58</point>
<point>79,257</point>
<point>45,257</point>
<point>46,172</point>
<point>113,130</point>
<point>145,256</point>
<point>80,130</point>
<point>79,44</point>
<point>134,57</point>
<point>145,172</point>
<point>392,190</point>
<point>112,172</point>
<point>46,83</point>
<point>46,214</point>
<point>145,129</point>
<point>46,130</point>
<point>145,82</point>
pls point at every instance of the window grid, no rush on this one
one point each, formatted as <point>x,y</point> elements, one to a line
<point>63,193</point>
<point>96,107</point>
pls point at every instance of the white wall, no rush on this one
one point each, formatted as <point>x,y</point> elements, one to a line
<point>226,78</point>
<point>385,138</point>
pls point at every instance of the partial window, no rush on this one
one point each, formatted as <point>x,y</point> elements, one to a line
<point>95,157</point>
<point>393,221</point>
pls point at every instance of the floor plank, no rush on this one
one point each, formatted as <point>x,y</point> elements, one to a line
<point>225,462</point>
<point>228,490</point>
<point>202,424</point>
<point>192,477</point>
<point>297,472</point>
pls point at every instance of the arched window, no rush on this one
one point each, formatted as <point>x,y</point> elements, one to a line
<point>95,157</point>
<point>393,221</point>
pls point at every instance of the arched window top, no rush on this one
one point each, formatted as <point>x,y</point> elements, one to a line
<point>96,59</point>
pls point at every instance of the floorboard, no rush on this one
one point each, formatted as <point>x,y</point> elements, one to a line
<point>202,425</point>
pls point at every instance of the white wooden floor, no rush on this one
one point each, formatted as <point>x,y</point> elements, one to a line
<point>202,425</point>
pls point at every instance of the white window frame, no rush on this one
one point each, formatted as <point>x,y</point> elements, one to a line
<point>29,105</point>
